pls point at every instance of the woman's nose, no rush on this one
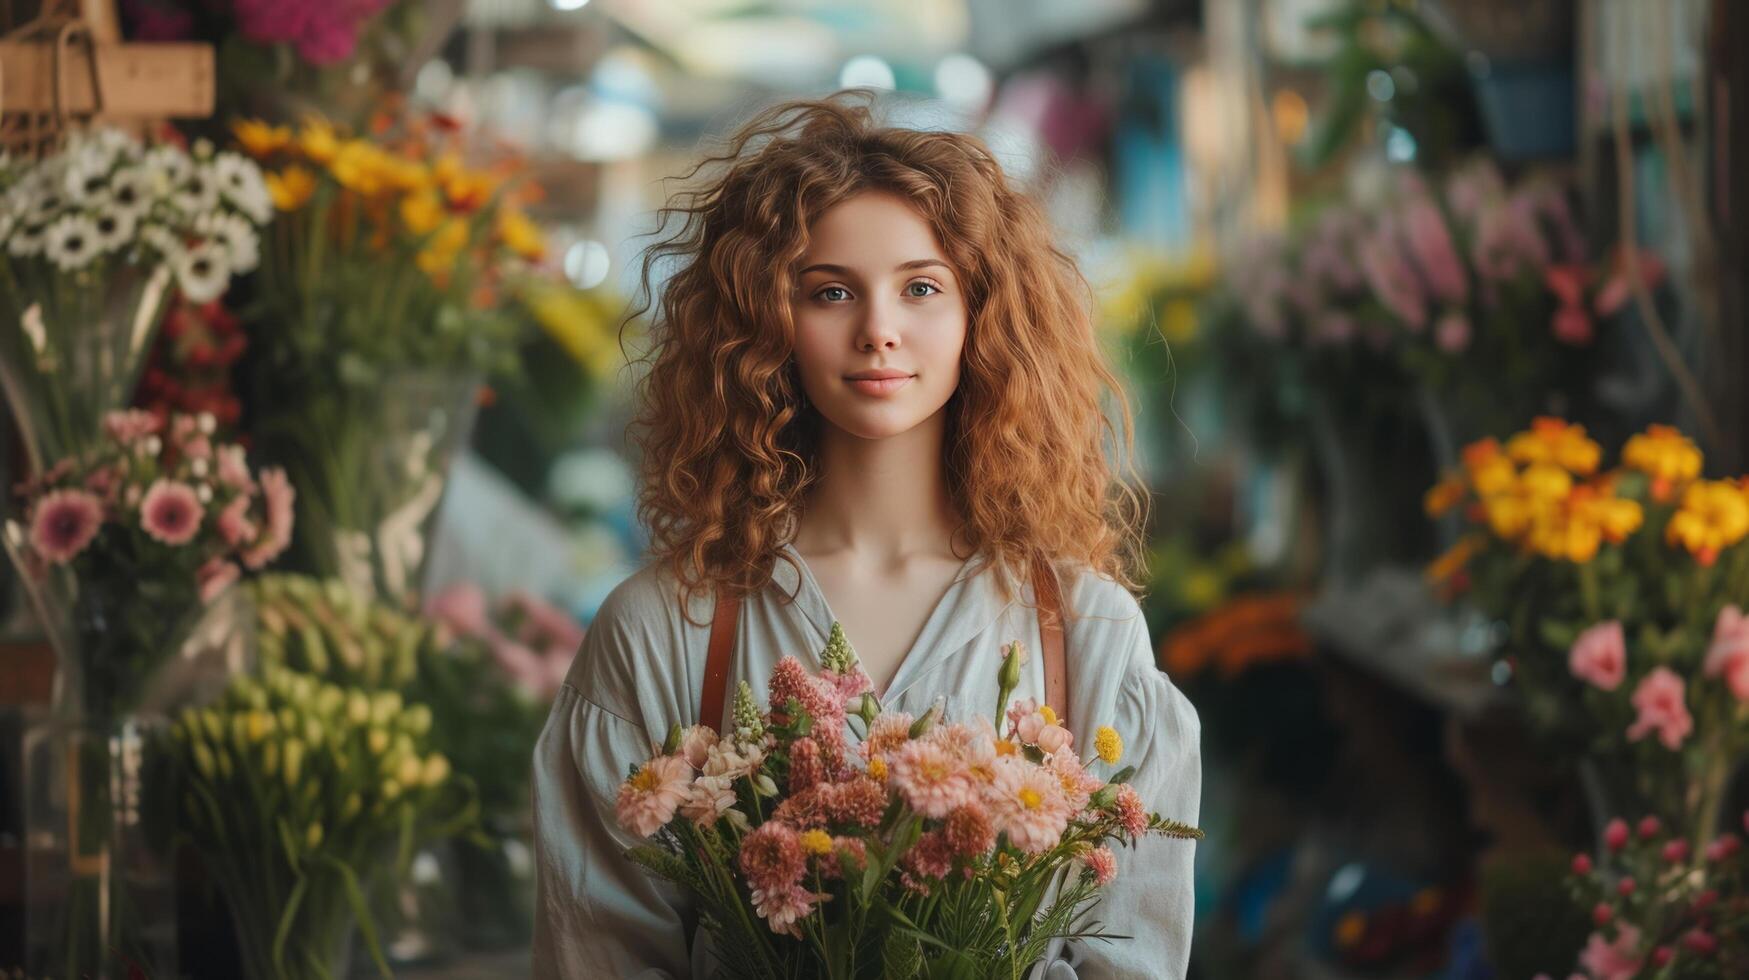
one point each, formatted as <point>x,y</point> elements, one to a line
<point>878,327</point>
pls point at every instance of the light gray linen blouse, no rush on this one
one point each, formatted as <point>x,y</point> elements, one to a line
<point>641,668</point>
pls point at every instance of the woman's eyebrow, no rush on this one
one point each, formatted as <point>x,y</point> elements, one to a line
<point>839,270</point>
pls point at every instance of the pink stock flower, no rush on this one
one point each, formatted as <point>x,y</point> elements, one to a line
<point>1660,702</point>
<point>1618,960</point>
<point>1599,656</point>
<point>1103,864</point>
<point>63,523</point>
<point>1392,279</point>
<point>1452,333</point>
<point>1507,242</point>
<point>805,768</point>
<point>818,698</point>
<point>215,576</point>
<point>170,512</point>
<point>929,778</point>
<point>1026,803</point>
<point>234,523</point>
<point>648,799</point>
<point>126,426</point>
<point>1728,654</point>
<point>1431,245</point>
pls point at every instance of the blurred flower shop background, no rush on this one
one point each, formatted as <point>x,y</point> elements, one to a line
<point>317,366</point>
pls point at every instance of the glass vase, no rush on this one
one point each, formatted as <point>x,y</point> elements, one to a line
<point>370,464</point>
<point>68,357</point>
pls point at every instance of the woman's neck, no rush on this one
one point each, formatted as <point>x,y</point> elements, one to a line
<point>884,500</point>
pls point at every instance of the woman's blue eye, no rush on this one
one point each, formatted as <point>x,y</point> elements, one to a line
<point>925,285</point>
<point>830,289</point>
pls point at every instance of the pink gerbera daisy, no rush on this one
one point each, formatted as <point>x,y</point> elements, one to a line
<point>929,777</point>
<point>1026,802</point>
<point>648,799</point>
<point>890,730</point>
<point>63,523</point>
<point>171,512</point>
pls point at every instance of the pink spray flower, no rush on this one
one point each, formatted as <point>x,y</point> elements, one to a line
<point>170,512</point>
<point>1452,333</point>
<point>126,426</point>
<point>1599,656</point>
<point>63,523</point>
<point>771,856</point>
<point>233,469</point>
<point>234,523</point>
<point>1660,702</point>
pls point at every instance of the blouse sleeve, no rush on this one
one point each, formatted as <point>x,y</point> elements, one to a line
<point>597,914</point>
<point>1153,898</point>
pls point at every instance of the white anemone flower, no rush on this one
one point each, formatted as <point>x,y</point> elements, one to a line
<point>163,241</point>
<point>168,165</point>
<point>26,240</point>
<point>130,192</point>
<point>203,272</point>
<point>236,235</point>
<point>72,242</point>
<point>115,229</point>
<point>198,193</point>
<point>241,183</point>
<point>87,179</point>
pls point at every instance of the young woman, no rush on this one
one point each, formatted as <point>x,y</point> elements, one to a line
<point>876,398</point>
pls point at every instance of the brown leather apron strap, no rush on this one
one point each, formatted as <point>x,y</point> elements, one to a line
<point>713,700</point>
<point>1048,592</point>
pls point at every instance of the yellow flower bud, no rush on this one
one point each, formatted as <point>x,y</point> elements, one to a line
<point>391,789</point>
<point>260,725</point>
<point>417,719</point>
<point>270,759</point>
<point>294,762</point>
<point>313,836</point>
<point>203,760</point>
<point>357,708</point>
<point>1048,713</point>
<point>1109,744</point>
<point>350,808</point>
<point>385,706</point>
<point>436,770</point>
<point>378,741</point>
<point>408,771</point>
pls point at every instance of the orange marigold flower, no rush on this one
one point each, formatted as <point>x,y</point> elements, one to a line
<point>1714,515</point>
<point>1663,453</point>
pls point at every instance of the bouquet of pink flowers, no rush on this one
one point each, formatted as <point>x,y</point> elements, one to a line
<point>123,546</point>
<point>923,848</point>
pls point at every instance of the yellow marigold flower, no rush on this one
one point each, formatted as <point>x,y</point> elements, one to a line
<point>1508,515</point>
<point>318,141</point>
<point>1544,481</point>
<point>259,139</point>
<point>1564,534</point>
<point>438,256</point>
<point>1663,453</point>
<point>521,235</point>
<point>1551,440</point>
<point>1714,516</point>
<point>291,188</point>
<point>877,767</point>
<point>357,166</point>
<point>421,212</point>
<point>816,842</point>
<point>1619,517</point>
<point>1444,495</point>
<point>1489,469</point>
<point>1108,743</point>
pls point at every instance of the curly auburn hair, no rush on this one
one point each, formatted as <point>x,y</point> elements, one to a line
<point>726,437</point>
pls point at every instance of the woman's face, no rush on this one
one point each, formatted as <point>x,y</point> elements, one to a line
<point>877,298</point>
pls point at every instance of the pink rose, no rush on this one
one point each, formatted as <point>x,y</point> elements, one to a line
<point>1600,656</point>
<point>1729,653</point>
<point>1050,738</point>
<point>1660,702</point>
<point>695,745</point>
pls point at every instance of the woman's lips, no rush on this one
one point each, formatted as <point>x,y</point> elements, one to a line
<point>879,387</point>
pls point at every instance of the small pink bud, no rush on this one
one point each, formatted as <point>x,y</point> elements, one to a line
<point>1725,846</point>
<point>1602,914</point>
<point>1624,887</point>
<point>1616,834</point>
<point>1662,956</point>
<point>1706,900</point>
<point>1581,864</point>
<point>1700,941</point>
<point>1650,827</point>
<point>1676,851</point>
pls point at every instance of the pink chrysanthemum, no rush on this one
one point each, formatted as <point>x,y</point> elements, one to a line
<point>929,778</point>
<point>971,748</point>
<point>811,807</point>
<point>234,523</point>
<point>931,856</point>
<point>858,803</point>
<point>1131,814</point>
<point>771,857</point>
<point>280,496</point>
<point>648,799</point>
<point>1078,783</point>
<point>1026,802</point>
<point>63,523</point>
<point>890,730</point>
<point>970,831</point>
<point>170,512</point>
<point>1103,864</point>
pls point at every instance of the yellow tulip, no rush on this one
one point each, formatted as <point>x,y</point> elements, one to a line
<point>291,188</point>
<point>318,141</point>
<point>259,139</point>
<point>521,235</point>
